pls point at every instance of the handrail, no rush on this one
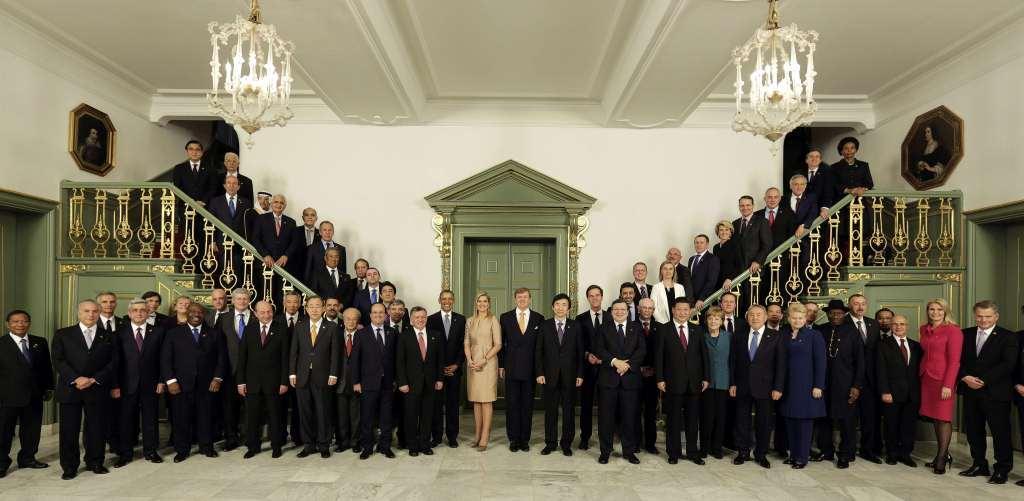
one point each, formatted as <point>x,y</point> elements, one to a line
<point>111,185</point>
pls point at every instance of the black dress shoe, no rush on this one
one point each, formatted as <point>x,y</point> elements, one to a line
<point>871,457</point>
<point>513,446</point>
<point>366,454</point>
<point>35,465</point>
<point>3,473</point>
<point>788,461</point>
<point>584,445</point>
<point>891,460</point>
<point>453,444</point>
<point>998,478</point>
<point>357,449</point>
<point>121,462</point>
<point>304,452</point>
<point>567,451</point>
<point>975,471</point>
<point>153,457</point>
<point>740,459</point>
<point>249,454</point>
<point>818,457</point>
<point>179,457</point>
<point>388,454</point>
<point>524,447</point>
<point>697,460</point>
<point>326,453</point>
<point>547,450</point>
<point>673,460</point>
<point>603,459</point>
<point>907,460</point>
<point>842,464</point>
<point>651,450</point>
<point>68,475</point>
<point>413,453</point>
<point>401,446</point>
<point>782,455</point>
<point>230,446</point>
<point>340,448</point>
<point>427,452</point>
<point>631,458</point>
<point>1020,483</point>
<point>435,443</point>
<point>210,453</point>
<point>717,455</point>
<point>763,462</point>
<point>277,452</point>
<point>799,466</point>
<point>99,470</point>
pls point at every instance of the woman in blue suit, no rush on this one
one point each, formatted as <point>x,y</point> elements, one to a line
<point>805,380</point>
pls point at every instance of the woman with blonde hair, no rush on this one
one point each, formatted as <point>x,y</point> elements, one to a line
<point>665,292</point>
<point>942,341</point>
<point>482,344</point>
<point>715,399</point>
<point>177,312</point>
<point>728,254</point>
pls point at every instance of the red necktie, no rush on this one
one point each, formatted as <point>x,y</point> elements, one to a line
<point>277,226</point>
<point>348,345</point>
<point>423,345</point>
<point>904,352</point>
<point>263,337</point>
<point>682,337</point>
<point>647,330</point>
<point>771,218</point>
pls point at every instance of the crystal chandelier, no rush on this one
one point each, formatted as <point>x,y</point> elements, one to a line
<point>259,89</point>
<point>778,100</point>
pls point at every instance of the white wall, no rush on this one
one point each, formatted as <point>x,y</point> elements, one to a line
<point>654,188</point>
<point>42,83</point>
<point>982,86</point>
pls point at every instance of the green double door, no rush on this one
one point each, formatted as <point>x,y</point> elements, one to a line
<point>501,267</point>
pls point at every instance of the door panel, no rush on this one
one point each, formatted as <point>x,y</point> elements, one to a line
<point>8,226</point>
<point>908,301</point>
<point>499,268</point>
<point>491,274</point>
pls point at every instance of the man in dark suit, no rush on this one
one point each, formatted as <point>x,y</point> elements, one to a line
<point>305,235</point>
<point>643,289</point>
<point>229,207</point>
<point>819,181</point>
<point>315,253</point>
<point>262,378</point>
<point>519,329</point>
<point>370,294</point>
<point>231,171</point>
<point>683,373</point>
<point>373,377</point>
<point>139,384</point>
<point>779,219</point>
<point>261,206</point>
<point>675,256</point>
<point>289,318</point>
<point>559,370</point>
<point>805,208</point>
<point>86,364</point>
<point>869,414</point>
<point>899,359</point>
<point>452,326</point>
<point>329,280</point>
<point>192,177</point>
<point>153,300</point>
<point>754,239</point>
<point>26,380</point>
<point>218,306</point>
<point>589,322</point>
<point>845,366</point>
<point>346,431</point>
<point>647,406</point>
<point>192,363</point>
<point>629,295</point>
<point>109,322</point>
<point>618,345</point>
<point>418,375</point>
<point>759,375</point>
<point>313,371</point>
<point>275,239</point>
<point>986,382</point>
<point>704,271</point>
<point>232,327</point>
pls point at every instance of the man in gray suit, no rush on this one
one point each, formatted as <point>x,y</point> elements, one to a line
<point>232,325</point>
<point>313,371</point>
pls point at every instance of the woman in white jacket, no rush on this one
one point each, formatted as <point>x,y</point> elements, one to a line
<point>665,291</point>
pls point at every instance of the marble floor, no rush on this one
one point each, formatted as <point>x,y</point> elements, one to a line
<point>464,473</point>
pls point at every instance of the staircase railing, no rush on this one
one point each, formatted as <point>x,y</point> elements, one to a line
<point>891,241</point>
<point>141,220</point>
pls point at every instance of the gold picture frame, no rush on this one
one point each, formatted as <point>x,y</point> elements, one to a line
<point>92,140</point>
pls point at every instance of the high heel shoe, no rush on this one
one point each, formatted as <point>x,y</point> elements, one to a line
<point>940,467</point>
<point>482,448</point>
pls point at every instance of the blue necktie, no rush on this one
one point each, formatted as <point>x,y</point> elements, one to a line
<point>195,335</point>
<point>241,325</point>
<point>231,205</point>
<point>752,349</point>
<point>373,296</point>
<point>25,352</point>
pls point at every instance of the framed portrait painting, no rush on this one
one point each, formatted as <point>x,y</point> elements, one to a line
<point>92,140</point>
<point>933,147</point>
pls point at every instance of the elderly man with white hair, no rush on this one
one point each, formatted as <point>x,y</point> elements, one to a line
<point>231,166</point>
<point>275,239</point>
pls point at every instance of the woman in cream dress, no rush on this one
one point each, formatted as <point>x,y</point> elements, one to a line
<point>482,344</point>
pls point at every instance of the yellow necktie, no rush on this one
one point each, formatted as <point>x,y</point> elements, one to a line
<point>312,334</point>
<point>522,322</point>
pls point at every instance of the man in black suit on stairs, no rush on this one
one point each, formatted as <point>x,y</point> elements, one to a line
<point>452,326</point>
<point>138,345</point>
<point>754,240</point>
<point>275,239</point>
<point>315,253</point>
<point>519,329</point>
<point>704,271</point>
<point>26,380</point>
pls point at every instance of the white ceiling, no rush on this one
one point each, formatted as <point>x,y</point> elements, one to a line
<point>598,62</point>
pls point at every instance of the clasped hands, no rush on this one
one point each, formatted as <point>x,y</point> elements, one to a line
<point>973,382</point>
<point>621,366</point>
<point>544,380</point>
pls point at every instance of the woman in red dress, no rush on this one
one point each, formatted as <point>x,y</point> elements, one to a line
<point>942,341</point>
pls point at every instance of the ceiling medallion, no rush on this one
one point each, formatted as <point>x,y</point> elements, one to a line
<point>257,89</point>
<point>779,100</point>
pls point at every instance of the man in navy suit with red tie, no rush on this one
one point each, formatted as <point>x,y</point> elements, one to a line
<point>274,238</point>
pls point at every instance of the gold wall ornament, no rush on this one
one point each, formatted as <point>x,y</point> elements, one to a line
<point>162,268</point>
<point>794,286</point>
<point>76,228</point>
<point>441,224</point>
<point>248,272</point>
<point>123,232</point>
<point>833,258</point>
<point>578,225</point>
<point>923,242</point>
<point>208,265</point>
<point>839,293</point>
<point>189,250</point>
<point>268,284</point>
<point>100,233</point>
<point>774,275</point>
<point>186,284</point>
<point>228,279</point>
<point>167,224</point>
<point>145,233</point>
<point>856,257</point>
<point>948,277</point>
<point>946,233</point>
<point>877,242</point>
<point>73,268</point>
<point>755,287</point>
<point>854,277</point>
<point>814,271</point>
<point>900,233</point>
